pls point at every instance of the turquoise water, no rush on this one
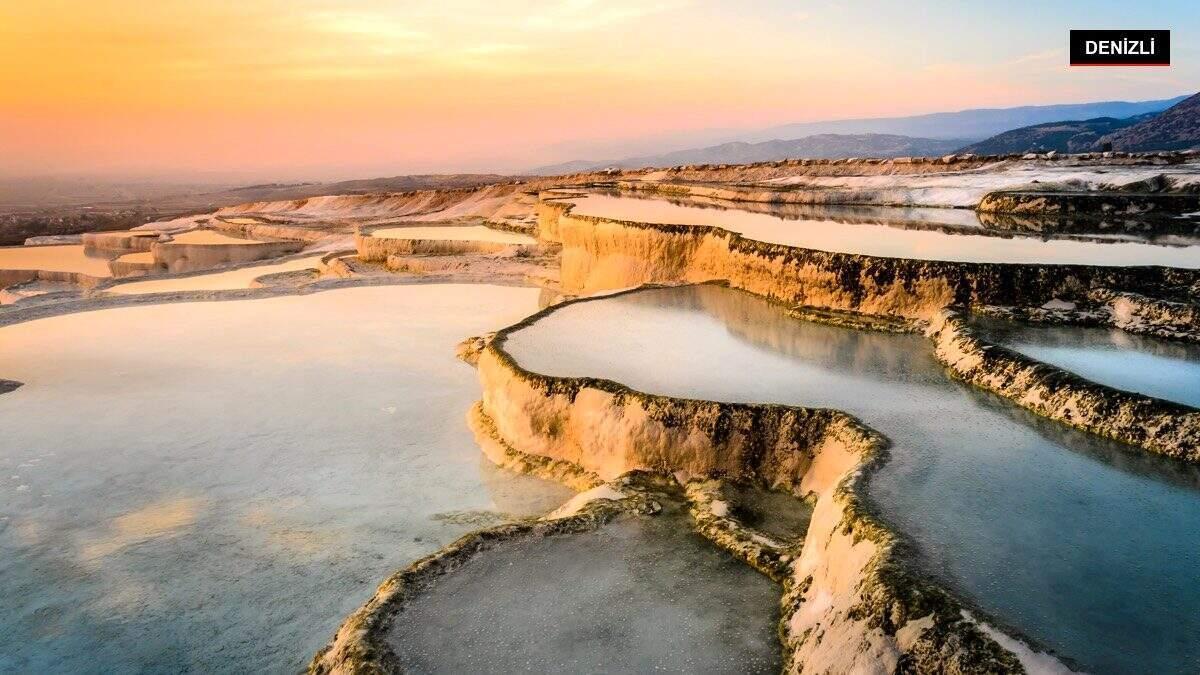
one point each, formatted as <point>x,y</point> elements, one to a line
<point>922,234</point>
<point>214,486</point>
<point>637,596</point>
<point>1084,544</point>
<point>1166,369</point>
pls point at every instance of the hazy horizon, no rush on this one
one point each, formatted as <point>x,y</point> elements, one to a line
<point>313,90</point>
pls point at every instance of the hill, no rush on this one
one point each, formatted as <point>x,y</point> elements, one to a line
<point>1177,128</point>
<point>1066,136</point>
<point>975,123</point>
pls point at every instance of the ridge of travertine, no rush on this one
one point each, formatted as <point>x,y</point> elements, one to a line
<point>1154,425</point>
<point>852,601</point>
<point>600,254</point>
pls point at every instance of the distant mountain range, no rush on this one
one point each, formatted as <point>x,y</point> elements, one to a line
<point>1176,128</point>
<point>977,123</point>
<point>739,152</point>
<point>876,137</point>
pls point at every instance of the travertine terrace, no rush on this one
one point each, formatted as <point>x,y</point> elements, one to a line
<point>854,594</point>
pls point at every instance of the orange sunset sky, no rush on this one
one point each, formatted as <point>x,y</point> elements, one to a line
<point>302,89</point>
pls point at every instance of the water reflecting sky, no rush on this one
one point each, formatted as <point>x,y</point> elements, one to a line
<point>215,486</point>
<point>918,240</point>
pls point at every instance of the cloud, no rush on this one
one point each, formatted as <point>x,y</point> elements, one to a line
<point>586,15</point>
<point>368,24</point>
<point>495,48</point>
<point>1059,55</point>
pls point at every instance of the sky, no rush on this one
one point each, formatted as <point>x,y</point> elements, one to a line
<point>312,89</point>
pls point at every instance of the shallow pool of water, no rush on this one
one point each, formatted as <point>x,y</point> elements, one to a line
<point>218,281</point>
<point>215,486</point>
<point>1085,544</point>
<point>65,258</point>
<point>919,234</point>
<point>455,233</point>
<point>636,596</point>
<point>779,515</point>
<point>1165,369</point>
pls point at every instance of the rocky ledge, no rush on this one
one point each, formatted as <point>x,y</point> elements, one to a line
<point>379,249</point>
<point>1088,203</point>
<point>1154,425</point>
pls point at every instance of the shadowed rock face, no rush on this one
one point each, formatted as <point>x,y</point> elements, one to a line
<point>1138,313</point>
<point>778,514</point>
<point>1065,136</point>
<point>1100,204</point>
<point>123,241</point>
